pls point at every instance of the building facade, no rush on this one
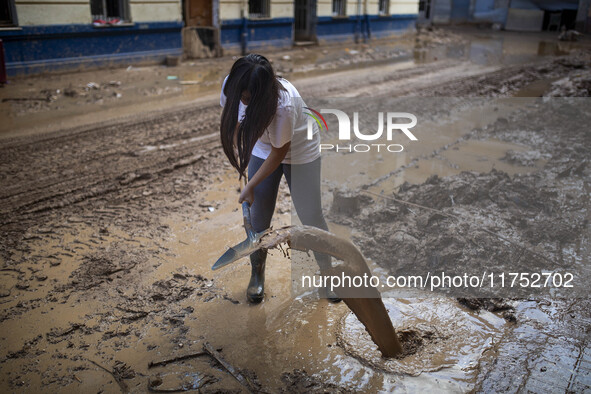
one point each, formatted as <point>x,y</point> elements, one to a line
<point>515,15</point>
<point>48,35</point>
<point>260,24</point>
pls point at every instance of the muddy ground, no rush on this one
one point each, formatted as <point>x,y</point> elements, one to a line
<point>111,219</point>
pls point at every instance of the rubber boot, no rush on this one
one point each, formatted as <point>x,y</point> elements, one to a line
<point>256,287</point>
<point>324,264</point>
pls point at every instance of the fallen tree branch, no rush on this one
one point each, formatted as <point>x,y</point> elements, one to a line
<point>203,382</point>
<point>365,302</point>
<point>237,375</point>
<point>153,364</point>
<point>118,379</point>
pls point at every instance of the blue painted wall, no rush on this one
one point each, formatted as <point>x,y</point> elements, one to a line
<point>277,33</point>
<point>330,29</point>
<point>383,26</point>
<point>261,33</point>
<point>460,10</point>
<point>35,49</point>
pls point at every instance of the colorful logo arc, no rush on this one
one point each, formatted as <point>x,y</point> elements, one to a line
<point>315,114</point>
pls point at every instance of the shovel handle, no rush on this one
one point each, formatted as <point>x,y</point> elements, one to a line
<point>246,211</point>
<point>246,215</point>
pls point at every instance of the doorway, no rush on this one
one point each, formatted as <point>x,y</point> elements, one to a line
<point>198,12</point>
<point>201,34</point>
<point>424,17</point>
<point>305,21</point>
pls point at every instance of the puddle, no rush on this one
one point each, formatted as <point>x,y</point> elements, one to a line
<point>442,149</point>
<point>536,88</point>
<point>494,48</point>
<point>447,339</point>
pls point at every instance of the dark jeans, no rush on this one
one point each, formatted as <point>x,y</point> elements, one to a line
<point>305,196</point>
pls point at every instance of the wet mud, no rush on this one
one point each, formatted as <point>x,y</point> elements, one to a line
<point>109,230</point>
<point>434,333</point>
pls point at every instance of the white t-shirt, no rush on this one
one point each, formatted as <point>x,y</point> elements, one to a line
<point>290,123</point>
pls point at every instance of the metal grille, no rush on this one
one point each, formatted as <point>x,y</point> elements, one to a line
<point>7,13</point>
<point>384,7</point>
<point>109,10</point>
<point>259,8</point>
<point>339,7</point>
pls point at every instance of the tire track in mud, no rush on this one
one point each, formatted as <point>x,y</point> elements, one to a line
<point>50,172</point>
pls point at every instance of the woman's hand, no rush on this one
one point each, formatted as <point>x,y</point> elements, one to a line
<point>247,194</point>
<point>269,165</point>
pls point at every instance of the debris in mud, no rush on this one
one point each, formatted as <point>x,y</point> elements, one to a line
<point>575,85</point>
<point>435,333</point>
<point>412,341</point>
<point>431,36</point>
<point>70,92</point>
<point>122,370</point>
<point>249,381</point>
<point>570,73</point>
<point>490,304</point>
<point>345,202</point>
<point>28,348</point>
<point>299,381</point>
<point>57,335</point>
<point>160,363</point>
<point>520,208</point>
<point>525,159</point>
<point>162,295</point>
<point>568,35</point>
<point>419,343</point>
<point>181,286</point>
<point>99,267</point>
<point>191,382</point>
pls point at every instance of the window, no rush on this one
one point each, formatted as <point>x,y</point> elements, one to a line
<point>109,12</point>
<point>339,7</point>
<point>259,8</point>
<point>7,13</point>
<point>384,7</point>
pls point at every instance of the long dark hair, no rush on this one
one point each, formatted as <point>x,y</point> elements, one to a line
<point>254,74</point>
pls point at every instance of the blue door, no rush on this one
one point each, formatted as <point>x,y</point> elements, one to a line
<point>460,10</point>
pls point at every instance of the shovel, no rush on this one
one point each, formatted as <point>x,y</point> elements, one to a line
<point>244,248</point>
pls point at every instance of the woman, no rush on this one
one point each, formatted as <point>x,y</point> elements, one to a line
<point>264,130</point>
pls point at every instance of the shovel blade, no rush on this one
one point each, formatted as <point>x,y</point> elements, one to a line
<point>243,249</point>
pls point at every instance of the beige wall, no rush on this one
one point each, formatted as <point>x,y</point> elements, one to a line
<point>324,7</point>
<point>65,12</point>
<point>47,12</point>
<point>42,12</point>
<point>282,9</point>
<point>398,7</point>
<point>155,10</point>
<point>230,9</point>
